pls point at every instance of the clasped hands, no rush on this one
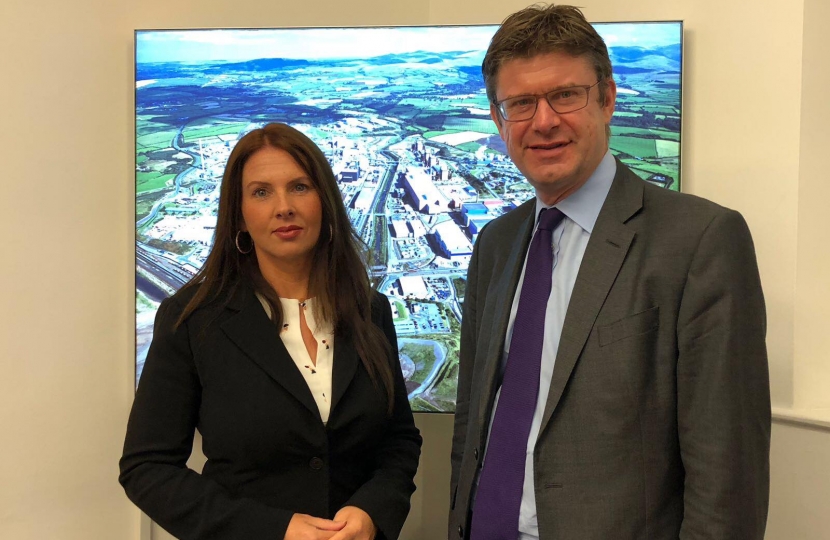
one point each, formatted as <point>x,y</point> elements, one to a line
<point>350,523</point>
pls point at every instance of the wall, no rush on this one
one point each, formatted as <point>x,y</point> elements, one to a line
<point>753,140</point>
<point>812,310</point>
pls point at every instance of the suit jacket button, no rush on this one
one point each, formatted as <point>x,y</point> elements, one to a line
<point>316,463</point>
<point>460,531</point>
<point>475,454</point>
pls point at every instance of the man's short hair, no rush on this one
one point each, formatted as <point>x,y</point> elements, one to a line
<point>542,29</point>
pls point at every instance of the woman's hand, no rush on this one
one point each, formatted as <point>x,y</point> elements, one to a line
<point>359,526</point>
<point>305,527</point>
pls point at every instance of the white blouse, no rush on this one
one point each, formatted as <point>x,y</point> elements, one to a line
<point>318,377</point>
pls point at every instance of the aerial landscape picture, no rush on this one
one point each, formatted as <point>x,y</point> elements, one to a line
<point>402,115</point>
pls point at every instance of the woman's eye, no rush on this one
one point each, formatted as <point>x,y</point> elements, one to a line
<point>259,192</point>
<point>301,188</point>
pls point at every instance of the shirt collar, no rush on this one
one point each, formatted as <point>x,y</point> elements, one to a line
<point>584,204</point>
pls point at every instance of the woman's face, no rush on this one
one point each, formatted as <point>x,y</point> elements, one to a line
<point>281,209</point>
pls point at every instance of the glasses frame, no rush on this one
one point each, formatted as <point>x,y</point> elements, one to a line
<point>500,104</point>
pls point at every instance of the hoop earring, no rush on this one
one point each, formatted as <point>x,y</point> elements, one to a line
<point>239,249</point>
<point>331,234</point>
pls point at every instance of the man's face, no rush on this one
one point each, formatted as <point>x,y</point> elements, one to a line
<point>557,153</point>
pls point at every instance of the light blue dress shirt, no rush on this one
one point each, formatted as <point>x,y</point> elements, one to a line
<point>570,238</point>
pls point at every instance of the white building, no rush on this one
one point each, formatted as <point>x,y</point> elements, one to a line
<point>452,240</point>
<point>425,196</point>
<point>413,287</point>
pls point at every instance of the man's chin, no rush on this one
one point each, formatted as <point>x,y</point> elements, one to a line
<point>550,175</point>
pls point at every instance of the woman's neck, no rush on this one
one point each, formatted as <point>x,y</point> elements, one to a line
<point>288,281</point>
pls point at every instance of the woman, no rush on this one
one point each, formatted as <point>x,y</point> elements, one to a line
<point>282,356</point>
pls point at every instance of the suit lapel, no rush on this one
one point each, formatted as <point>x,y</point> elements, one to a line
<point>252,331</point>
<point>504,293</point>
<point>604,256</point>
<point>344,367</point>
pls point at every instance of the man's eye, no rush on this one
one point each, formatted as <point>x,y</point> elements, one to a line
<point>520,102</point>
<point>568,95</point>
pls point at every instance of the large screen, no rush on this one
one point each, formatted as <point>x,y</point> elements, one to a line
<point>402,115</point>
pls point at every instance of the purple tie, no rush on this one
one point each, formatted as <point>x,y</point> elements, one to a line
<point>499,495</point>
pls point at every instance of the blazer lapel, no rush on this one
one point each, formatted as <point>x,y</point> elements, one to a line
<point>344,367</point>
<point>604,255</point>
<point>502,305</point>
<point>252,331</point>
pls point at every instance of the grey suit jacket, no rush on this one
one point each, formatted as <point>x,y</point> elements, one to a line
<point>657,424</point>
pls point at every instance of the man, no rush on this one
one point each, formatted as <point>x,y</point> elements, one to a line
<point>613,378</point>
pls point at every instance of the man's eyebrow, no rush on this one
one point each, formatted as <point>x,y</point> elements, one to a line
<point>546,92</point>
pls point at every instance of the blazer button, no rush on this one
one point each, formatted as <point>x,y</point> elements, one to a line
<point>316,463</point>
<point>475,454</point>
<point>460,531</point>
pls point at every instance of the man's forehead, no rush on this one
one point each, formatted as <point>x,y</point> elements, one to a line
<point>560,69</point>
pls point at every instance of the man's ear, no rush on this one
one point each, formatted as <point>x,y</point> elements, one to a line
<point>497,119</point>
<point>610,99</point>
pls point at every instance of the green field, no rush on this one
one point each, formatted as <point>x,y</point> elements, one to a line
<point>471,147</point>
<point>420,354</point>
<point>403,314</point>
<point>421,405</point>
<point>381,255</point>
<point>667,148</point>
<point>151,181</point>
<point>471,124</point>
<point>155,141</point>
<point>142,208</point>
<point>665,109</point>
<point>204,131</point>
<point>645,132</point>
<point>634,146</point>
<point>644,170</point>
<point>445,391</point>
<point>143,302</point>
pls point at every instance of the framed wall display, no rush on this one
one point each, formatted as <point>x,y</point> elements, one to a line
<point>402,115</point>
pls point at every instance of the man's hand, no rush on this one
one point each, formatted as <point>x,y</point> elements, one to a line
<point>359,526</point>
<point>305,527</point>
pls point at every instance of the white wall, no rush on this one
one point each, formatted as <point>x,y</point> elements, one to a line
<point>799,483</point>
<point>753,140</point>
<point>812,309</point>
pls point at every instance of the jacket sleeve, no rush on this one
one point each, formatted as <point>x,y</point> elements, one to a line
<point>723,399</point>
<point>159,441</point>
<point>467,354</point>
<point>385,496</point>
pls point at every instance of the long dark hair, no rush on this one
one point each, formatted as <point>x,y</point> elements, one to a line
<point>338,281</point>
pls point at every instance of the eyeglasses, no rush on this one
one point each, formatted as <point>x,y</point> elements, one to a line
<point>562,101</point>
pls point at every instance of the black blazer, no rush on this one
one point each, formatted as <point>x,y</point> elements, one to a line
<point>226,372</point>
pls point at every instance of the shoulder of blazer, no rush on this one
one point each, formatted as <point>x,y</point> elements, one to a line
<point>211,310</point>
<point>508,223</point>
<point>632,197</point>
<point>380,305</point>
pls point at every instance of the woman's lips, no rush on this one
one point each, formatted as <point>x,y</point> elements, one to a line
<point>289,232</point>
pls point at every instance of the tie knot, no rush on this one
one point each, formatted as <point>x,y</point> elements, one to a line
<point>549,218</point>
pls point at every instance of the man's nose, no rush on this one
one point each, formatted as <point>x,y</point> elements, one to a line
<point>545,118</point>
